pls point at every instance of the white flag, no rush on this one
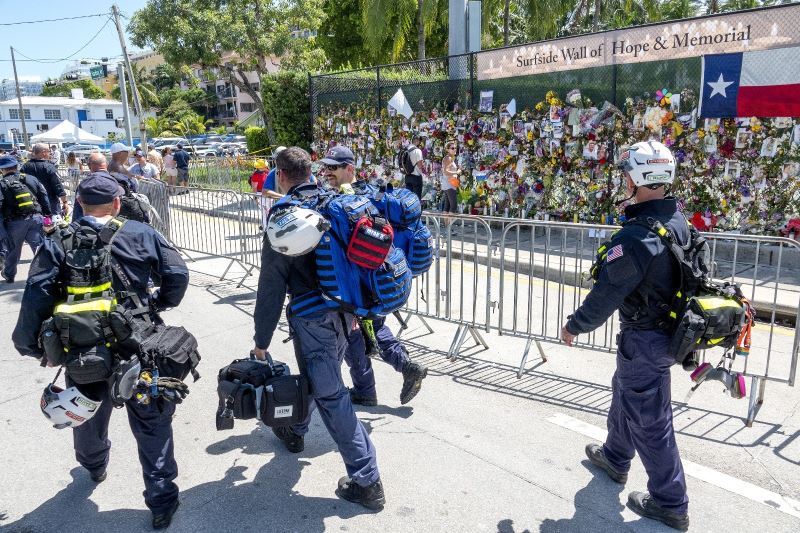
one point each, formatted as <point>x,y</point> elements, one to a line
<point>400,103</point>
<point>511,108</point>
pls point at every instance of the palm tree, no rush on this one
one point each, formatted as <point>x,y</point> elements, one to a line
<point>148,95</point>
<point>397,21</point>
<point>156,126</point>
<point>190,125</point>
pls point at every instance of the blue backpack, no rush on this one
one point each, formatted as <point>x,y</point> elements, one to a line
<point>343,284</point>
<point>403,210</point>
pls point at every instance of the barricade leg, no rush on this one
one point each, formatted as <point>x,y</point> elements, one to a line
<point>404,327</point>
<point>523,362</point>
<point>458,340</point>
<point>478,338</point>
<point>757,386</point>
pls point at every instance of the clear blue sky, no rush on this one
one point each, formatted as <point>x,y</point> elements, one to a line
<point>56,40</point>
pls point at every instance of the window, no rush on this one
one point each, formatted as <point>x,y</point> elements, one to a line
<point>255,86</point>
<point>13,114</point>
<point>247,107</point>
<point>51,114</point>
<point>109,114</point>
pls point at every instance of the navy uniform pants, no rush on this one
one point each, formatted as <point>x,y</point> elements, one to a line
<point>152,429</point>
<point>392,352</point>
<point>321,342</point>
<point>640,416</point>
<point>19,232</point>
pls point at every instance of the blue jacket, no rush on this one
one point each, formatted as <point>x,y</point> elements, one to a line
<point>142,253</point>
<point>47,174</point>
<point>35,187</point>
<point>639,272</point>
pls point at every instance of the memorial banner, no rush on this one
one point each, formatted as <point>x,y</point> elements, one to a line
<point>722,33</point>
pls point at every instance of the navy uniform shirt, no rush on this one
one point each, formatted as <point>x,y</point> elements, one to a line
<point>280,273</point>
<point>639,272</point>
<point>141,252</point>
<point>34,185</point>
<point>47,174</point>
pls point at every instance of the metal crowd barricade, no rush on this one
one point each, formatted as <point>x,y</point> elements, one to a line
<point>208,222</point>
<point>254,209</point>
<point>157,193</point>
<point>458,286</point>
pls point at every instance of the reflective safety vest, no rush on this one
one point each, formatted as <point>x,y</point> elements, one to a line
<point>19,200</point>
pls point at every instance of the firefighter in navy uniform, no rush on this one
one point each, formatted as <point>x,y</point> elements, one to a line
<point>637,273</point>
<point>23,201</point>
<point>141,253</point>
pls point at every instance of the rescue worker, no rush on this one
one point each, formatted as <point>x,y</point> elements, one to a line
<point>339,168</point>
<point>97,164</point>
<point>320,344</point>
<point>141,253</point>
<point>42,168</point>
<point>637,271</point>
<point>23,201</point>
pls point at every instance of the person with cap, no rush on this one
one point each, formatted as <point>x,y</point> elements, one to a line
<point>143,168</point>
<point>40,167</point>
<point>23,201</point>
<point>141,254</point>
<point>637,273</point>
<point>320,345</point>
<point>119,159</point>
<point>340,171</point>
<point>181,158</point>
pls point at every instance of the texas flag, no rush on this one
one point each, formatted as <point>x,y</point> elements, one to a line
<point>751,84</point>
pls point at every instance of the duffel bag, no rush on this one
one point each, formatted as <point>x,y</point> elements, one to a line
<point>284,401</point>
<point>240,386</point>
<point>172,349</point>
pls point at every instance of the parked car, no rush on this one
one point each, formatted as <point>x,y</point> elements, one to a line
<point>171,142</point>
<point>80,150</point>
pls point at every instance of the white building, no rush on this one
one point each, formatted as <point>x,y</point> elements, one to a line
<point>27,87</point>
<point>45,112</point>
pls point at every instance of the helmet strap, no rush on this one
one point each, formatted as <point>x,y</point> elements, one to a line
<point>635,188</point>
<point>57,374</point>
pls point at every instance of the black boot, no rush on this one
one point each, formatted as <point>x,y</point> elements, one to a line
<point>358,399</point>
<point>99,477</point>
<point>413,374</point>
<point>293,442</point>
<point>595,454</point>
<point>642,504</point>
<point>370,497</point>
<point>163,519</point>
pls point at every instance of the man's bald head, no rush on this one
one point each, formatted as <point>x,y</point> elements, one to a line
<point>39,149</point>
<point>96,161</point>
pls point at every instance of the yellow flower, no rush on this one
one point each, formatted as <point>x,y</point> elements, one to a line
<point>714,128</point>
<point>756,127</point>
<point>539,106</point>
<point>701,133</point>
<point>550,95</point>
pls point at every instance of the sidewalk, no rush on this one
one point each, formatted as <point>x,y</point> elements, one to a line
<point>477,450</point>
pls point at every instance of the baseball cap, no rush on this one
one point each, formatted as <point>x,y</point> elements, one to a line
<point>99,188</point>
<point>180,146</point>
<point>339,155</point>
<point>119,147</point>
<point>8,161</point>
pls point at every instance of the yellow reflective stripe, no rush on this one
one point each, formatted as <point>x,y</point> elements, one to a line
<point>103,305</point>
<point>22,195</point>
<point>715,302</point>
<point>662,231</point>
<point>678,294</point>
<point>712,341</point>
<point>85,290</point>
<point>24,204</point>
<point>672,314</point>
<point>601,249</point>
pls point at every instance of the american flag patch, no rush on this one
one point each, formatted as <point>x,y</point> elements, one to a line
<point>614,253</point>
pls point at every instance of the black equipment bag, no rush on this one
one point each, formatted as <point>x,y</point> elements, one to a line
<point>405,160</point>
<point>133,206</point>
<point>172,349</point>
<point>90,365</point>
<point>285,400</point>
<point>240,385</point>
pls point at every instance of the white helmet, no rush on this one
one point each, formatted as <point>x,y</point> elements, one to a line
<point>648,163</point>
<point>67,408</point>
<point>296,230</point>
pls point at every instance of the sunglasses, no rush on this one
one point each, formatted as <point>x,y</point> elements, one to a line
<point>335,167</point>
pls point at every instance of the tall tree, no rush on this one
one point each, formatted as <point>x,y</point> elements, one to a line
<point>59,88</point>
<point>398,22</point>
<point>233,37</point>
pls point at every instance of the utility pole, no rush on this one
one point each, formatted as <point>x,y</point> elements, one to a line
<point>123,93</point>
<point>137,106</point>
<point>19,101</point>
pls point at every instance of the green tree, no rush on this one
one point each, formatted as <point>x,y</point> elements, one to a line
<point>64,88</point>
<point>232,36</point>
<point>156,126</point>
<point>285,95</point>
<point>398,22</point>
<point>148,94</point>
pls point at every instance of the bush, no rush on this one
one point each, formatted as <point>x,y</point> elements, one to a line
<point>257,140</point>
<point>285,96</point>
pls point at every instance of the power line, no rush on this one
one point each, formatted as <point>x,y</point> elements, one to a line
<point>46,61</point>
<point>52,20</point>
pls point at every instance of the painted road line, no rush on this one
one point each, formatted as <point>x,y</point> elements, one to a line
<point>697,471</point>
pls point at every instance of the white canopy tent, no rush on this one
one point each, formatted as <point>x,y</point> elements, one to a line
<point>67,132</point>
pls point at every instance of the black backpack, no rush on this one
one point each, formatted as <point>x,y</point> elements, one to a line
<point>702,313</point>
<point>19,199</point>
<point>405,160</point>
<point>133,206</point>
